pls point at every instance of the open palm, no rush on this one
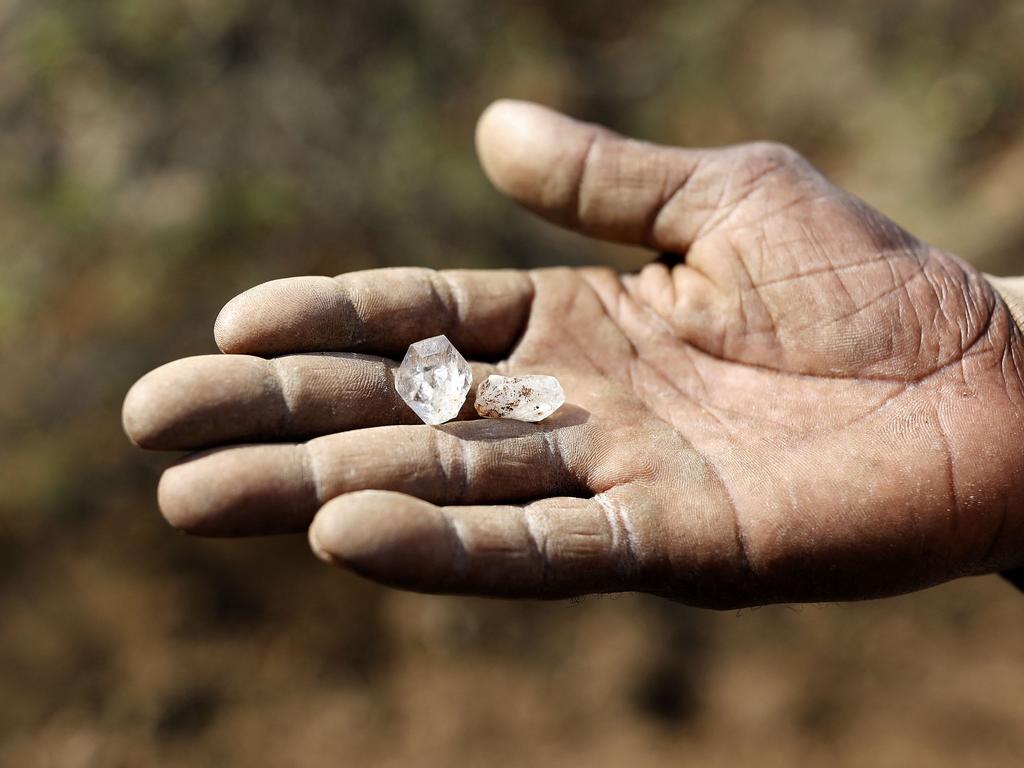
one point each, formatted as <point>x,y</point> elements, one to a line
<point>804,402</point>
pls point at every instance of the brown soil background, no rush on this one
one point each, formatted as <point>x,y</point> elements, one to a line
<point>158,156</point>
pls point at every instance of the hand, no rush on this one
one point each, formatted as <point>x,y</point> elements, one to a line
<point>808,403</point>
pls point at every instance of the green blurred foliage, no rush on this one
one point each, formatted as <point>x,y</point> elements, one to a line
<point>158,156</point>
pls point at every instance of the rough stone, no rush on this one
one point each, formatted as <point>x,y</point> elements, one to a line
<point>434,379</point>
<point>524,398</point>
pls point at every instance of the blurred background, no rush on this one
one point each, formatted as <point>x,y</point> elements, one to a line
<point>159,156</point>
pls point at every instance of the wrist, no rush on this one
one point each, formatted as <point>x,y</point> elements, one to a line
<point>1011,291</point>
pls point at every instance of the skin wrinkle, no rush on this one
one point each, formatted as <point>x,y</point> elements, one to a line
<point>578,203</point>
<point>859,309</point>
<point>755,183</point>
<point>578,343</point>
<point>822,376</point>
<point>372,379</point>
<point>956,511</point>
<point>464,462</point>
<point>538,547</point>
<point>460,561</point>
<point>783,427</point>
<point>719,218</point>
<point>720,212</point>
<point>976,314</point>
<point>919,337</point>
<point>555,458</point>
<point>454,468</point>
<point>688,356</point>
<point>312,470</point>
<point>356,330</point>
<point>985,329</point>
<point>390,369</point>
<point>791,278</point>
<point>941,294</point>
<point>520,334</point>
<point>667,202</point>
<point>614,536</point>
<point>757,293</point>
<point>705,406</point>
<point>639,360</point>
<point>873,411</point>
<point>447,299</point>
<point>670,287</point>
<point>656,321</point>
<point>624,544</point>
<point>746,565</point>
<point>281,387</point>
<point>632,541</point>
<point>799,199</point>
<point>837,276</point>
<point>635,357</point>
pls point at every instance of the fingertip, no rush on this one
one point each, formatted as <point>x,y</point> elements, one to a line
<point>226,327</point>
<point>243,325</point>
<point>343,531</point>
<point>532,153</point>
<point>135,415</point>
<point>153,406</point>
<point>313,536</point>
<point>293,314</point>
<point>502,116</point>
<point>199,401</point>
<point>387,536</point>
<point>178,497</point>
<point>241,491</point>
<point>509,135</point>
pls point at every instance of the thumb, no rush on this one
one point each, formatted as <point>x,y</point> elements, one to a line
<point>590,179</point>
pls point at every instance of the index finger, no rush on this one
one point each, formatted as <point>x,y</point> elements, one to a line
<point>379,311</point>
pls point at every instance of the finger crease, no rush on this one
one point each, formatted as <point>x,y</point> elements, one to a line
<point>460,558</point>
<point>279,382</point>
<point>448,299</point>
<point>311,468</point>
<point>579,201</point>
<point>464,469</point>
<point>623,536</point>
<point>538,545</point>
<point>666,202</point>
<point>352,319</point>
<point>454,464</point>
<point>520,333</point>
<point>556,462</point>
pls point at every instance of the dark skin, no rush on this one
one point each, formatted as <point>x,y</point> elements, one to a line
<point>804,403</point>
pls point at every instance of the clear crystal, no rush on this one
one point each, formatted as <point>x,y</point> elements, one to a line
<point>434,379</point>
<point>524,398</point>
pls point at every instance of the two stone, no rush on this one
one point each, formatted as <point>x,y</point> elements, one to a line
<point>434,380</point>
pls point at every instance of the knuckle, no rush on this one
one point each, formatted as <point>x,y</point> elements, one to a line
<point>772,153</point>
<point>764,162</point>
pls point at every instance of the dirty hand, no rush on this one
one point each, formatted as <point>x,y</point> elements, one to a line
<point>804,403</point>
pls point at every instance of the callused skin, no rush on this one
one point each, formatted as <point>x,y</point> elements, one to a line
<point>805,403</point>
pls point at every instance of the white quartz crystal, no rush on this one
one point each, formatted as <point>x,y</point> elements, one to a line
<point>524,398</point>
<point>434,379</point>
